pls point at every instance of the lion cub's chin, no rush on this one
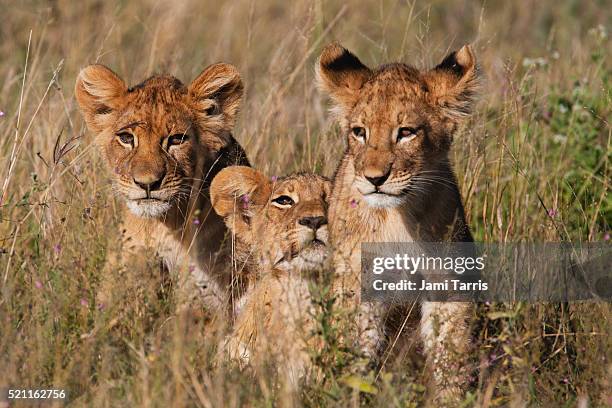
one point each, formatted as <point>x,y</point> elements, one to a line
<point>148,208</point>
<point>378,200</point>
<point>311,258</point>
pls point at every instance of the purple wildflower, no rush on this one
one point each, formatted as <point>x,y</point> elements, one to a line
<point>274,178</point>
<point>38,284</point>
<point>57,248</point>
<point>196,221</point>
<point>552,213</point>
<point>1,114</point>
<point>84,302</point>
<point>353,203</point>
<point>101,306</point>
<point>245,201</point>
<point>607,236</point>
<point>192,268</point>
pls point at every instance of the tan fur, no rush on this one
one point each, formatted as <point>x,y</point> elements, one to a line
<point>178,139</point>
<point>275,322</point>
<point>395,183</point>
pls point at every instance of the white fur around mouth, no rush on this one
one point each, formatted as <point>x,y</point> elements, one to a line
<point>382,200</point>
<point>377,197</point>
<point>311,257</point>
<point>148,207</point>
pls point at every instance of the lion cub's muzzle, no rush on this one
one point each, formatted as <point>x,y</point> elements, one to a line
<point>313,239</point>
<point>150,182</point>
<point>314,233</point>
<point>149,198</point>
<point>381,189</point>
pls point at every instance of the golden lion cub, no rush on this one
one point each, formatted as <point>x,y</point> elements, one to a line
<point>395,183</point>
<point>280,232</point>
<point>163,143</point>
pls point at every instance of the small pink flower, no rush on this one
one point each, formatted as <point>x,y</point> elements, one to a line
<point>1,114</point>
<point>196,221</point>
<point>534,369</point>
<point>101,306</point>
<point>353,203</point>
<point>274,178</point>
<point>607,236</point>
<point>57,248</point>
<point>245,201</point>
<point>38,284</point>
<point>192,268</point>
<point>565,381</point>
<point>552,213</point>
<point>84,302</point>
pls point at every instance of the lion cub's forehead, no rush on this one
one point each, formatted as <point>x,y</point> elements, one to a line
<point>305,186</point>
<point>158,102</point>
<point>395,93</point>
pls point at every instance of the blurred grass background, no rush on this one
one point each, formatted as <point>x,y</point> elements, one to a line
<point>533,165</point>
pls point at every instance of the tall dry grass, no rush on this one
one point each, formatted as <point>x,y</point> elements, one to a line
<point>533,165</point>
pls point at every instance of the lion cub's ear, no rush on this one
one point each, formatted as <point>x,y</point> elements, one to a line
<point>236,192</point>
<point>454,83</point>
<point>99,92</point>
<point>216,92</point>
<point>341,74</point>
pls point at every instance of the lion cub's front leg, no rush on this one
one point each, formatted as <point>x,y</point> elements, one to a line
<point>275,325</point>
<point>370,320</point>
<point>196,292</point>
<point>370,333</point>
<point>446,339</point>
<point>129,258</point>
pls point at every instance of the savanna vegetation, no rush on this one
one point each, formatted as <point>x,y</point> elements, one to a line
<point>533,164</point>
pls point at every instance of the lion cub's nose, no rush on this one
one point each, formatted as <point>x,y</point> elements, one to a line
<point>377,178</point>
<point>313,223</point>
<point>149,182</point>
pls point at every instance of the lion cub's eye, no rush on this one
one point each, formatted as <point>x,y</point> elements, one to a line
<point>175,140</point>
<point>359,133</point>
<point>406,133</point>
<point>283,201</point>
<point>126,138</point>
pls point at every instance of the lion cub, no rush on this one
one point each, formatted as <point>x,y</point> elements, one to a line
<point>163,143</point>
<point>395,183</point>
<point>279,229</point>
